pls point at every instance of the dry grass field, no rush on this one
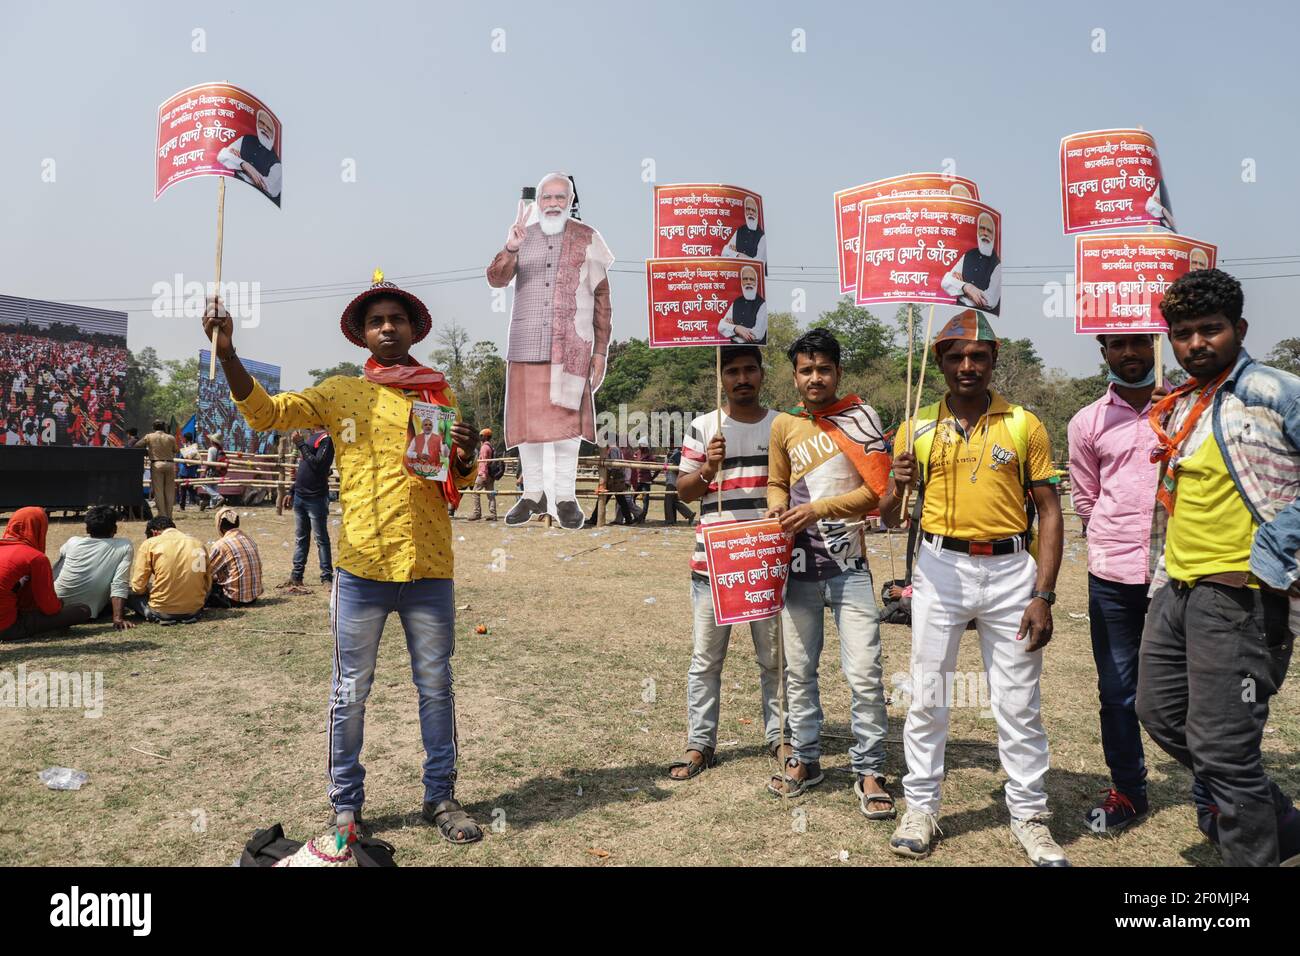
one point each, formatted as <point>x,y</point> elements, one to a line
<point>211,731</point>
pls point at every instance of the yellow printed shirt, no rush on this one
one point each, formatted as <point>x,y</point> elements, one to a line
<point>973,490</point>
<point>395,525</point>
<point>1211,529</point>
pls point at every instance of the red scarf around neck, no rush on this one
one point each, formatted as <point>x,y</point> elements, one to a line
<point>431,386</point>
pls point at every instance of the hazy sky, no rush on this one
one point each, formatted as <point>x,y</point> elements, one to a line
<point>444,131</point>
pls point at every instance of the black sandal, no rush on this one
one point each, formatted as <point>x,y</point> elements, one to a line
<point>865,798</point>
<point>450,818</point>
<point>694,768</point>
<point>785,786</point>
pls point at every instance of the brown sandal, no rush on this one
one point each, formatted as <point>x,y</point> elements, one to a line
<point>694,768</point>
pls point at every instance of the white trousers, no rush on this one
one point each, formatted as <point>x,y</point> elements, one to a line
<point>950,589</point>
<point>551,467</point>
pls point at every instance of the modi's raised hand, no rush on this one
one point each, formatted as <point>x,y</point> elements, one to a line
<point>515,237</point>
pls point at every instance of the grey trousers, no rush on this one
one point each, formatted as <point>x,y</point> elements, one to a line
<point>1212,656</point>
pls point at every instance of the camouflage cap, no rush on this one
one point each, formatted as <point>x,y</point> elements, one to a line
<point>967,326</point>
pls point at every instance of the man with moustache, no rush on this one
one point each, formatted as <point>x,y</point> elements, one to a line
<point>827,467</point>
<point>1112,482</point>
<point>728,462</point>
<point>254,158</point>
<point>978,459</point>
<point>559,335</point>
<point>976,278</point>
<point>746,320</point>
<point>1225,604</point>
<point>749,241</point>
<point>395,552</point>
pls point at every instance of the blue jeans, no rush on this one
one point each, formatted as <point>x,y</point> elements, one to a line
<point>312,517</point>
<point>704,679</point>
<point>1117,613</point>
<point>358,610</point>
<point>852,600</point>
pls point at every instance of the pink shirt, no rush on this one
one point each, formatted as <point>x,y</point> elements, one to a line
<point>1113,482</point>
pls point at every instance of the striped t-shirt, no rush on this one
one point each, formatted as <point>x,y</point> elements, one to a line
<point>743,473</point>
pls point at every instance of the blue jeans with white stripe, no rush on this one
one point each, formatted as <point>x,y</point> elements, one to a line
<point>358,610</point>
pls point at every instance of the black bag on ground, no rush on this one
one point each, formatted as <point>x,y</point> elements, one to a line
<point>268,847</point>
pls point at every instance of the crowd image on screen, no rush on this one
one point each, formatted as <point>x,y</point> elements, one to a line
<point>60,390</point>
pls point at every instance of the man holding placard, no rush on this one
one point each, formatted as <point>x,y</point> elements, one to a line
<point>979,460</point>
<point>730,463</point>
<point>827,467</point>
<point>1112,487</point>
<point>395,550</point>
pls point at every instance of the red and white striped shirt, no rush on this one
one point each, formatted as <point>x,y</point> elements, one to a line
<point>743,474</point>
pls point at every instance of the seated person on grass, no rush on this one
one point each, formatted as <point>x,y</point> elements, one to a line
<point>28,604</point>
<point>235,564</point>
<point>96,570</point>
<point>170,578</point>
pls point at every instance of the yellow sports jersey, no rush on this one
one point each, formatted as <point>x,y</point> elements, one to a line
<point>973,490</point>
<point>395,525</point>
<point>1211,529</point>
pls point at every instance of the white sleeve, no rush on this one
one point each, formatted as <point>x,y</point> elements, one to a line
<point>229,157</point>
<point>273,182</point>
<point>952,282</point>
<point>762,248</point>
<point>994,292</point>
<point>729,250</point>
<point>760,323</point>
<point>725,326</point>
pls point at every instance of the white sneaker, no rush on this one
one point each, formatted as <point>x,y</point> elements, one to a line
<point>1037,841</point>
<point>914,834</point>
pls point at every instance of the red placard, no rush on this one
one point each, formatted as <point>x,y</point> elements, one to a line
<point>1120,279</point>
<point>928,249</point>
<point>709,219</point>
<point>703,302</point>
<point>216,129</point>
<point>748,563</point>
<point>913,184</point>
<point>1111,178</point>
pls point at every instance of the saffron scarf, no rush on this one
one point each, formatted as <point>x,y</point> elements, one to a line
<point>1170,446</point>
<point>854,432</point>
<point>431,386</point>
<point>27,526</point>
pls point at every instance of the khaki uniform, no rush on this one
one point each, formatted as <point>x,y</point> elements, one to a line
<point>161,449</point>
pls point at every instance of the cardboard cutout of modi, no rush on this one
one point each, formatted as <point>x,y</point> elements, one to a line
<point>558,344</point>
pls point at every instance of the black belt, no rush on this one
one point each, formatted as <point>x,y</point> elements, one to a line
<point>979,548</point>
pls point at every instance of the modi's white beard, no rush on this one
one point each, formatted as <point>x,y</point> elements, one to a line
<point>986,248</point>
<point>553,225</point>
<point>267,141</point>
<point>751,222</point>
<point>749,293</point>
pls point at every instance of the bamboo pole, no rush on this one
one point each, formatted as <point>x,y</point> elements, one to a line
<point>718,373</point>
<point>920,390</point>
<point>221,228</point>
<point>279,484</point>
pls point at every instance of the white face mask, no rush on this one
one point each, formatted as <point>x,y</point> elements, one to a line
<point>553,225</point>
<point>267,141</point>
